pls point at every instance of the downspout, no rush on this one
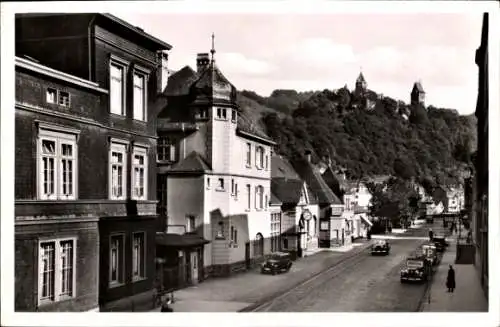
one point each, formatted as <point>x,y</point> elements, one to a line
<point>89,41</point>
<point>183,143</point>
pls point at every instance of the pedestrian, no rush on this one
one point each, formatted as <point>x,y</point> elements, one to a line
<point>450,279</point>
<point>431,235</point>
<point>165,307</point>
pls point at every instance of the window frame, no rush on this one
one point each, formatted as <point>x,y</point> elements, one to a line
<point>234,236</point>
<point>118,146</point>
<point>121,261</point>
<point>142,274</point>
<point>190,223</point>
<point>221,187</point>
<point>58,135</point>
<point>123,65</point>
<point>234,116</point>
<point>249,197</point>
<point>259,157</point>
<point>168,148</point>
<point>248,158</point>
<point>57,270</point>
<point>259,197</point>
<point>144,74</point>
<point>141,151</point>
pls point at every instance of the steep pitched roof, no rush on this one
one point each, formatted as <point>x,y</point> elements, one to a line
<point>316,182</point>
<point>274,199</point>
<point>281,168</point>
<point>361,78</point>
<point>418,87</point>
<point>180,82</point>
<point>247,126</point>
<point>287,190</point>
<point>193,163</point>
<point>212,85</point>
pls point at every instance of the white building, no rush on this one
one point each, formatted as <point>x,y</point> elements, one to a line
<point>216,176</point>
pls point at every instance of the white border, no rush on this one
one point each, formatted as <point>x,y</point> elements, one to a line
<point>230,319</point>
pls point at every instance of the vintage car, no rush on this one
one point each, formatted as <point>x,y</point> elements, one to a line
<point>440,243</point>
<point>430,252</point>
<point>381,247</point>
<point>417,269</point>
<point>277,262</point>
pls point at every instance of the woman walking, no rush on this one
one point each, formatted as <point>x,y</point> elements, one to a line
<point>450,280</point>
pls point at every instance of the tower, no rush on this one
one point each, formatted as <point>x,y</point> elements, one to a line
<point>418,94</point>
<point>360,84</point>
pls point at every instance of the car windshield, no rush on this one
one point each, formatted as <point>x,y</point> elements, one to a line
<point>380,243</point>
<point>277,257</point>
<point>414,264</point>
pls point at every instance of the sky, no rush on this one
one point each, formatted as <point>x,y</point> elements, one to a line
<point>264,52</point>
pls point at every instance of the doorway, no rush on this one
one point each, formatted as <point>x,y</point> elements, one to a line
<point>194,267</point>
<point>247,255</point>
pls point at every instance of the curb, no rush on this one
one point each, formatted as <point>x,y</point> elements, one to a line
<point>346,257</point>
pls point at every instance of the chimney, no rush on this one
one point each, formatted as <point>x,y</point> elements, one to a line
<point>308,155</point>
<point>202,61</point>
<point>162,72</point>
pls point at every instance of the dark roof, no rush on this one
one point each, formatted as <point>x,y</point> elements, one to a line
<point>247,126</point>
<point>180,82</point>
<point>193,163</point>
<point>274,199</point>
<point>213,86</point>
<point>287,190</point>
<point>180,241</point>
<point>361,78</point>
<point>281,168</point>
<point>418,87</point>
<point>316,182</point>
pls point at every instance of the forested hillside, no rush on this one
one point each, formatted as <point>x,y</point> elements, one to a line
<point>432,143</point>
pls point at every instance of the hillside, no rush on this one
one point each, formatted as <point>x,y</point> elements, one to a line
<point>432,143</point>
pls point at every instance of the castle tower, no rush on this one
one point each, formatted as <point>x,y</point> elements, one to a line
<point>360,84</point>
<point>418,94</point>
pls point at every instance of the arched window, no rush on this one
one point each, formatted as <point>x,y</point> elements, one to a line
<point>259,197</point>
<point>258,245</point>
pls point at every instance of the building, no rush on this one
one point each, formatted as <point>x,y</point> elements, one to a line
<point>334,229</point>
<point>366,98</point>
<point>480,206</point>
<point>417,94</point>
<point>214,174</point>
<point>85,118</point>
<point>299,209</point>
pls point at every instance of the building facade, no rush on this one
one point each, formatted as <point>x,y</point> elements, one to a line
<point>85,112</point>
<point>216,171</point>
<point>417,94</point>
<point>480,206</point>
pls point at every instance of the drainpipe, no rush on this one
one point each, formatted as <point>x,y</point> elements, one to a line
<point>89,43</point>
<point>183,143</point>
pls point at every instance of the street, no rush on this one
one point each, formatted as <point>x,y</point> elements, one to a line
<point>361,283</point>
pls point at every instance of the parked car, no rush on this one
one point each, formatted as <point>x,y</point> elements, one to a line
<point>381,247</point>
<point>440,243</point>
<point>277,262</point>
<point>430,252</point>
<point>416,269</point>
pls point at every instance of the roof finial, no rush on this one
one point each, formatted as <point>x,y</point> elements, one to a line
<point>213,47</point>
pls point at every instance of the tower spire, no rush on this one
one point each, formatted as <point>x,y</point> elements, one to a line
<point>212,51</point>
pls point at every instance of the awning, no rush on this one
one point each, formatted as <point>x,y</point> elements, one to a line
<point>366,221</point>
<point>180,241</point>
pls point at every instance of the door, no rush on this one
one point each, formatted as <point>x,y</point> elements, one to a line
<point>247,255</point>
<point>343,237</point>
<point>194,267</point>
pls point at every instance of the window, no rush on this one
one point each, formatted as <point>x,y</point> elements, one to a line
<point>208,182</point>
<point>202,113</point>
<point>57,163</point>
<point>190,224</point>
<point>259,157</point>
<point>118,171</point>
<point>221,113</point>
<point>139,174</point>
<point>166,149</point>
<point>275,231</point>
<point>249,155</point>
<point>220,187</point>
<point>233,116</point>
<point>267,162</point>
<point>234,236</point>
<point>259,197</point>
<point>234,187</point>
<point>63,99</point>
<point>258,245</point>
<point>117,259</point>
<point>220,231</point>
<point>57,270</point>
<point>249,202</point>
<point>117,88</point>
<point>140,98</point>
<point>138,256</point>
<point>51,95</point>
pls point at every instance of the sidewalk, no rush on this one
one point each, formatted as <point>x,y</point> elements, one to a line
<point>236,292</point>
<point>468,295</point>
